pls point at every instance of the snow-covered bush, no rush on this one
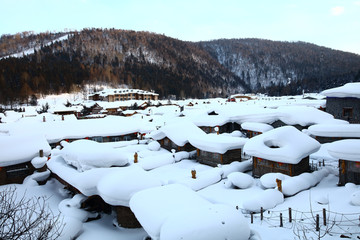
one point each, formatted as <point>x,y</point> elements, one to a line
<point>241,180</point>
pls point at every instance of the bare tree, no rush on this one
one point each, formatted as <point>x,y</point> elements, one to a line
<point>24,218</point>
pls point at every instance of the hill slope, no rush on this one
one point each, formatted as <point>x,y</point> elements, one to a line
<point>168,66</point>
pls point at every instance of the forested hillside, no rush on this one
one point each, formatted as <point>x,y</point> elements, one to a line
<point>284,67</point>
<point>62,62</point>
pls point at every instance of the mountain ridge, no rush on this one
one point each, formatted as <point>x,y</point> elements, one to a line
<point>167,65</point>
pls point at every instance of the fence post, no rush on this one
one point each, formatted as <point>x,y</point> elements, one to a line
<point>324,216</point>
<point>135,157</point>
<point>290,215</point>
<point>252,217</point>
<point>281,220</point>
<point>317,223</point>
<point>193,174</point>
<point>261,213</point>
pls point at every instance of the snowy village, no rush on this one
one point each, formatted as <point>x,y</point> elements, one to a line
<point>122,164</point>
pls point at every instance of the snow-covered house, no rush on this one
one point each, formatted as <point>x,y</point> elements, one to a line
<point>176,134</point>
<point>176,212</point>
<point>284,150</point>
<point>302,117</point>
<point>254,128</point>
<point>344,102</point>
<point>348,153</point>
<point>213,149</point>
<point>325,133</point>
<point>103,175</point>
<point>112,95</point>
<point>16,154</point>
<point>63,110</point>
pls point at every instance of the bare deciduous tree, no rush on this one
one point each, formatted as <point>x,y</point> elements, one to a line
<point>24,218</point>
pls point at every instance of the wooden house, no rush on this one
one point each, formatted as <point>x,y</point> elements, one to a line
<point>348,153</point>
<point>215,149</point>
<point>168,144</point>
<point>284,150</point>
<point>214,123</point>
<point>253,129</point>
<point>344,102</point>
<point>16,154</point>
<point>176,135</point>
<point>111,95</point>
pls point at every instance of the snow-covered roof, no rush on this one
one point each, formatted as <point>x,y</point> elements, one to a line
<point>256,127</point>
<point>179,131</point>
<point>21,148</point>
<point>63,108</point>
<point>284,144</point>
<point>348,90</point>
<point>303,115</point>
<point>87,154</point>
<point>118,187</point>
<point>55,131</point>
<point>176,212</point>
<point>107,92</point>
<point>348,149</point>
<point>335,130</point>
<point>216,143</point>
<point>248,114</point>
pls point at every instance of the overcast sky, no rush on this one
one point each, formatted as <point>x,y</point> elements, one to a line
<point>329,23</point>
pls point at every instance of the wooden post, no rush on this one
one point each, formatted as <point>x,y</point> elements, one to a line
<point>193,174</point>
<point>41,153</point>
<point>290,215</point>
<point>198,152</point>
<point>323,163</point>
<point>281,220</point>
<point>278,181</point>
<point>135,157</point>
<point>324,216</point>
<point>62,117</point>
<point>44,119</point>
<point>252,217</point>
<point>317,223</point>
<point>261,213</point>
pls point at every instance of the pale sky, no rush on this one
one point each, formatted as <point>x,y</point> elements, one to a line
<point>329,23</point>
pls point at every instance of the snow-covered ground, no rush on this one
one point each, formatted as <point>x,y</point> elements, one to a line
<point>159,188</point>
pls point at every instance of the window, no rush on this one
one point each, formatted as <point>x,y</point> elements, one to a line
<point>347,112</point>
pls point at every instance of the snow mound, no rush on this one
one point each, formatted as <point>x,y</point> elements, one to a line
<point>212,222</point>
<point>241,180</point>
<point>293,185</point>
<point>267,199</point>
<point>154,146</point>
<point>355,198</point>
<point>87,154</point>
<point>268,180</point>
<point>235,167</point>
<point>38,162</point>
